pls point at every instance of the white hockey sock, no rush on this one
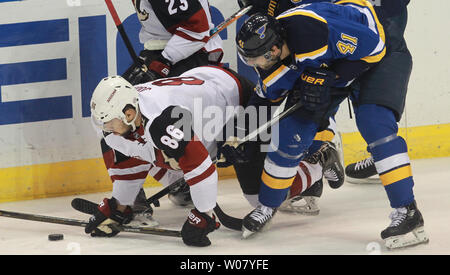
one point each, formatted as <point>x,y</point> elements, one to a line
<point>252,200</point>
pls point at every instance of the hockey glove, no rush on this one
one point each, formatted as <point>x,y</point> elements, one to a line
<point>229,155</point>
<point>313,89</point>
<point>101,224</point>
<point>196,228</point>
<point>148,69</point>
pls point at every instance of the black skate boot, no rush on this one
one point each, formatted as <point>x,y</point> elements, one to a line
<point>406,228</point>
<point>256,220</point>
<point>363,171</point>
<point>328,157</point>
<point>181,196</point>
<point>305,203</point>
<point>142,212</point>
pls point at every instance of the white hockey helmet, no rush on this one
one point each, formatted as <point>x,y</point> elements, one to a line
<point>109,99</point>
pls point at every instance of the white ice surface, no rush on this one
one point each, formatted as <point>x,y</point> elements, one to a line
<point>350,222</point>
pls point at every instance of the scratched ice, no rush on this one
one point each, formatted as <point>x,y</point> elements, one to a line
<point>350,222</point>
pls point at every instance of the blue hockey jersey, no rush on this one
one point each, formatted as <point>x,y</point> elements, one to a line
<point>320,34</point>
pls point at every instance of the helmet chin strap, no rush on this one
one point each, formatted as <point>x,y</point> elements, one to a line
<point>133,122</point>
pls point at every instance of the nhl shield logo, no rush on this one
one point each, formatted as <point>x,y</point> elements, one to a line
<point>262,31</point>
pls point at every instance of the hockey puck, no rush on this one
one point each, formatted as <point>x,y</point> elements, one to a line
<point>55,237</point>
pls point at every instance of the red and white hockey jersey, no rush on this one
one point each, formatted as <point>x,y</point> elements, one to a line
<point>162,145</point>
<point>180,27</point>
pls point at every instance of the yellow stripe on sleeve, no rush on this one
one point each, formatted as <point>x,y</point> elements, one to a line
<point>311,55</point>
<point>304,13</point>
<point>375,58</point>
<point>277,73</point>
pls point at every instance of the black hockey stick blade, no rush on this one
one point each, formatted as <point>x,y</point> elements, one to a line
<point>84,206</point>
<point>228,221</point>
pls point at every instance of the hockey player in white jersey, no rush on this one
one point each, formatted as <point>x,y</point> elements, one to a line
<point>175,35</point>
<point>154,111</point>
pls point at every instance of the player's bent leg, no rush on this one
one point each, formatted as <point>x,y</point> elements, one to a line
<point>181,196</point>
<point>132,194</point>
<point>334,172</point>
<point>379,128</point>
<point>142,212</point>
<point>280,168</point>
<point>305,190</point>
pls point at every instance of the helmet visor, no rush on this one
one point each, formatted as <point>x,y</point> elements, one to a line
<point>252,61</point>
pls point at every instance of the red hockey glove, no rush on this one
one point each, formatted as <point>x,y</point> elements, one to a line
<point>106,215</point>
<point>196,228</point>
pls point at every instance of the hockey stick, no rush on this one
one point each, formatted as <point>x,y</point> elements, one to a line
<point>270,123</point>
<point>122,32</point>
<point>235,16</point>
<point>228,221</point>
<point>73,222</point>
<point>89,207</point>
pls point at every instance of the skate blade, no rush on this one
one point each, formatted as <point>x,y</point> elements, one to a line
<point>370,180</point>
<point>147,223</point>
<point>299,211</point>
<point>415,237</point>
<point>247,233</point>
<point>309,208</point>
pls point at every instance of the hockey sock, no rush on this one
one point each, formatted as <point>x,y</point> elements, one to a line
<point>307,175</point>
<point>379,128</point>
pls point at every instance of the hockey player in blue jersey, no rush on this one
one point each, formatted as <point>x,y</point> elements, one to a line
<point>363,171</point>
<point>318,54</point>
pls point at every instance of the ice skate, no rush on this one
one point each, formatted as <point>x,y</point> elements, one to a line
<point>363,171</point>
<point>257,220</point>
<point>305,203</point>
<point>328,157</point>
<point>142,212</point>
<point>406,228</point>
<point>181,196</point>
